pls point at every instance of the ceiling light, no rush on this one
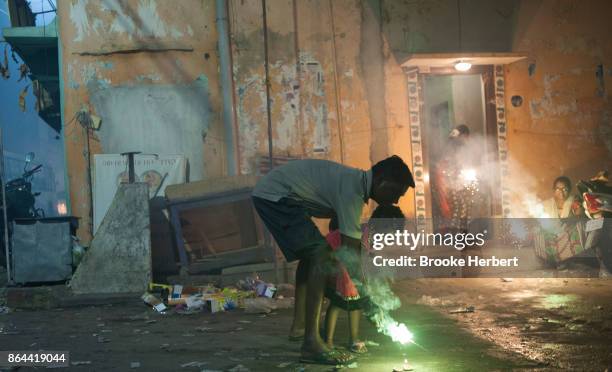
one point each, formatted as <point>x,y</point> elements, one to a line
<point>463,66</point>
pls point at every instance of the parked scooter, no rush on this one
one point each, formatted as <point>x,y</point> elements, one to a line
<point>596,195</point>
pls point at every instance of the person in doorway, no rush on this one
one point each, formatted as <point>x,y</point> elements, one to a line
<point>452,188</point>
<point>287,198</point>
<point>342,292</point>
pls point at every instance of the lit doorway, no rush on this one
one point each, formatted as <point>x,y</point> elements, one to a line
<point>456,150</point>
<point>440,100</point>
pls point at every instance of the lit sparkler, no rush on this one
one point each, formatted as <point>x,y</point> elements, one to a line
<point>399,333</point>
<point>469,178</point>
<point>469,175</point>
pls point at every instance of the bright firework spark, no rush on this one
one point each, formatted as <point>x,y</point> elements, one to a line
<point>383,301</point>
<point>469,175</point>
<point>399,333</point>
<point>534,206</point>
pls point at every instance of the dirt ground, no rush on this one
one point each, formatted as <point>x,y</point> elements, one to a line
<point>526,324</point>
<point>559,323</point>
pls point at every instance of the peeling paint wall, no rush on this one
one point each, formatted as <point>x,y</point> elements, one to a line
<point>247,43</point>
<point>448,26</point>
<point>149,69</point>
<point>564,125</point>
<point>171,119</point>
<point>322,89</point>
<point>336,87</point>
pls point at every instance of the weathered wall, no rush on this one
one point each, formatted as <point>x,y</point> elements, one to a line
<point>428,26</point>
<point>564,125</point>
<point>149,69</point>
<point>432,26</point>
<point>327,82</point>
<point>336,88</point>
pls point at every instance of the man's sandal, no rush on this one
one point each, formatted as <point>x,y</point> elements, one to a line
<point>332,357</point>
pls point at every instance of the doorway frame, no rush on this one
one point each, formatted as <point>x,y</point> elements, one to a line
<point>493,78</point>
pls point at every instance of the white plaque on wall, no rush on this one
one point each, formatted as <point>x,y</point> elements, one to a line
<point>110,170</point>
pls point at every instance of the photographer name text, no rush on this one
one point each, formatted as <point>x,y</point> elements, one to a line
<point>426,261</point>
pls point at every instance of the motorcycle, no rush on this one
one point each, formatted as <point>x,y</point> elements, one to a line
<point>596,197</point>
<point>20,201</point>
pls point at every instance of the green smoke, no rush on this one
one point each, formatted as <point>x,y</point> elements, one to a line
<point>382,302</point>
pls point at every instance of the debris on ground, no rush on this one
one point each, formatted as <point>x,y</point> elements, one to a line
<point>259,305</point>
<point>265,289</point>
<point>4,310</point>
<point>461,310</point>
<point>252,294</point>
<point>155,302</point>
<point>284,364</point>
<point>184,310</point>
<point>433,301</point>
<point>575,327</point>
<point>372,343</point>
<point>285,290</point>
<point>339,367</point>
<point>507,280</point>
<point>135,365</point>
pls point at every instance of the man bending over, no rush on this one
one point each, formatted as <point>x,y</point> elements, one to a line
<point>287,198</point>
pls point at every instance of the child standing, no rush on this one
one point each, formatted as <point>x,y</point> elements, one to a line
<point>342,292</point>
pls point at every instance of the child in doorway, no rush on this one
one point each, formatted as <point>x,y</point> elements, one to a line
<point>342,292</point>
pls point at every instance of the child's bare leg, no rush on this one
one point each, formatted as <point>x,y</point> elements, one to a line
<point>330,324</point>
<point>354,317</point>
<point>355,343</point>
